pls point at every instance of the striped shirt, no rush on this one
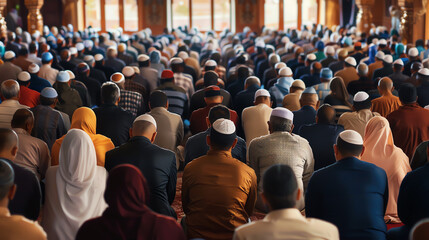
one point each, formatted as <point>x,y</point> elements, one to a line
<point>177,99</point>
<point>184,81</point>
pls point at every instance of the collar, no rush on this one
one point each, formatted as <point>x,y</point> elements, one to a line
<point>10,102</point>
<point>20,131</point>
<point>287,213</point>
<point>212,152</point>
<point>412,105</point>
<point>4,212</point>
<point>158,109</point>
<point>140,139</point>
<point>348,159</point>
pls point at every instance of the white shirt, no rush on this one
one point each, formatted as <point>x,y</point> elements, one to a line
<point>287,224</point>
<point>255,121</point>
<point>7,110</point>
<point>48,73</point>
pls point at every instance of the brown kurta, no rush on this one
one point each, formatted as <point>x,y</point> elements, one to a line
<point>218,195</point>
<point>385,104</point>
<point>410,127</point>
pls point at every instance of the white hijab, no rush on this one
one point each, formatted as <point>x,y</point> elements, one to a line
<point>75,188</point>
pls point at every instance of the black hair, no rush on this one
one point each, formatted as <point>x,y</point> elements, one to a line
<point>362,105</point>
<point>407,93</point>
<point>279,124</point>
<point>158,99</point>
<point>217,112</point>
<point>47,101</point>
<point>110,93</point>
<point>280,187</point>
<point>346,148</point>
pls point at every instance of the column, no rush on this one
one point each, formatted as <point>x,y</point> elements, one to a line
<point>412,11</point>
<point>364,16</point>
<point>70,13</point>
<point>3,27</point>
<point>35,19</point>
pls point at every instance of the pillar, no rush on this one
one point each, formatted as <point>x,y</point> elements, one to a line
<point>412,12</point>
<point>70,13</point>
<point>332,15</point>
<point>3,27</point>
<point>35,19</point>
<point>364,16</point>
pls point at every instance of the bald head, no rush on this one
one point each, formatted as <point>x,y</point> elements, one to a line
<point>10,89</point>
<point>385,85</point>
<point>23,118</point>
<point>143,128</point>
<point>316,67</point>
<point>326,114</point>
<point>8,143</point>
<point>309,99</point>
<point>252,80</point>
<point>65,55</point>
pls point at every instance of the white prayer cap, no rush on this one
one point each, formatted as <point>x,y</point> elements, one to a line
<point>260,44</point>
<point>351,61</point>
<point>88,58</point>
<point>388,58</point>
<point>224,126</point>
<point>79,46</point>
<point>427,107</point>
<point>71,74</point>
<point>24,76</point>
<point>73,50</point>
<point>282,112</point>
<point>117,77</point>
<point>280,65</point>
<point>33,68</point>
<point>49,92</point>
<point>413,52</point>
<point>351,136</point>
<point>382,42</point>
<point>63,76</point>
<point>143,58</point>
<point>298,83</point>
<point>146,117</point>
<point>398,62</point>
<point>269,46</point>
<point>310,90</point>
<point>210,63</point>
<point>379,55</point>
<point>98,57</point>
<point>128,71</point>
<point>9,55</point>
<point>360,96</point>
<point>285,39</point>
<point>424,72</point>
<point>311,57</point>
<point>176,60</point>
<point>183,55</point>
<point>285,72</point>
<point>262,93</point>
<point>88,43</point>
<point>329,50</point>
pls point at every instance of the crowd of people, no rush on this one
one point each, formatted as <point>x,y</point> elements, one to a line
<point>324,131</point>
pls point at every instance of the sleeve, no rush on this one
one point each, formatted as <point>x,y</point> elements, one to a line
<point>45,160</point>
<point>405,202</point>
<point>253,194</point>
<point>386,192</point>
<point>253,160</point>
<point>308,167</point>
<point>61,128</point>
<point>185,191</point>
<point>180,133</point>
<point>312,200</point>
<point>172,180</point>
<point>36,197</point>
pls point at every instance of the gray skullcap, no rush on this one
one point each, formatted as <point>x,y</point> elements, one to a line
<point>351,136</point>
<point>146,117</point>
<point>310,90</point>
<point>49,92</point>
<point>7,175</point>
<point>63,76</point>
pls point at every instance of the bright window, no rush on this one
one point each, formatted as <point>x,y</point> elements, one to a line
<point>309,12</point>
<point>272,18</point>
<point>180,12</point>
<point>201,14</point>
<point>131,16</point>
<point>222,14</point>
<point>112,14</point>
<point>92,13</point>
<point>290,14</point>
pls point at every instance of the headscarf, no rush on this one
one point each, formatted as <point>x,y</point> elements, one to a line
<point>381,151</point>
<point>84,118</point>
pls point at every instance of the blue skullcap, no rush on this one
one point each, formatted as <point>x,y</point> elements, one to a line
<point>348,41</point>
<point>47,56</point>
<point>326,73</point>
<point>63,76</point>
<point>49,92</point>
<point>320,45</point>
<point>310,90</point>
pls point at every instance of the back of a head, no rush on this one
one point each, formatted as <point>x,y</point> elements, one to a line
<point>217,112</point>
<point>361,100</point>
<point>9,89</point>
<point>8,139</point>
<point>158,99</point>
<point>326,114</point>
<point>281,120</point>
<point>362,70</point>
<point>316,67</point>
<point>309,97</point>
<point>7,178</point>
<point>349,143</point>
<point>110,93</point>
<point>144,125</point>
<point>280,187</point>
<point>408,93</point>
<point>210,78</point>
<point>385,84</point>
<point>21,118</point>
<point>65,54</point>
<point>222,134</point>
<point>252,80</point>
<point>243,72</point>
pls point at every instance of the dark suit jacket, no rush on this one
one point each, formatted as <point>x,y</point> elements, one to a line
<point>423,94</point>
<point>351,194</point>
<point>98,75</point>
<point>306,115</point>
<point>382,72</point>
<point>158,166</point>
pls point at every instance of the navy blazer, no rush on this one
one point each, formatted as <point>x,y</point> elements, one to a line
<point>352,194</point>
<point>158,166</point>
<point>306,115</point>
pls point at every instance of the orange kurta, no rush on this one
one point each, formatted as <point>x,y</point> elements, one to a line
<point>84,118</point>
<point>218,195</point>
<point>385,104</point>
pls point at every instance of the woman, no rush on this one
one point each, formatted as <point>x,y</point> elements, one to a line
<point>380,150</point>
<point>74,188</point>
<point>339,97</point>
<point>84,118</point>
<point>127,216</point>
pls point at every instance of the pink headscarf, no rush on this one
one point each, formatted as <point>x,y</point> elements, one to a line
<point>381,151</point>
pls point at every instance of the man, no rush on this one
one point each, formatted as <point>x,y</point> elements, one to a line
<point>158,165</point>
<point>14,227</point>
<point>37,83</point>
<point>358,53</point>
<point>363,83</point>
<point>128,100</point>
<point>386,70</point>
<point>11,94</point>
<point>132,84</point>
<point>11,45</point>
<point>196,145</point>
<point>198,117</point>
<point>388,102</point>
<point>358,211</point>
<point>329,53</point>
<point>33,54</point>
<point>423,89</point>
<point>218,182</point>
<point>360,116</point>
<point>177,98</point>
<point>113,121</point>
<point>323,89</point>
<point>33,153</point>
<point>68,98</point>
<point>280,194</point>
<point>123,55</point>
<point>291,101</point>
<point>339,65</point>
<point>22,59</point>
<point>8,69</point>
<point>282,85</point>
<point>49,124</point>
<point>397,76</point>
<point>254,119</point>
<point>322,135</point>
<point>307,114</point>
<point>65,61</point>
<point>99,64</point>
<point>149,74</point>
<point>412,199</point>
<point>27,96</point>
<point>376,65</point>
<point>281,147</point>
<point>93,72</point>
<point>246,97</point>
<point>348,73</point>
<point>181,79</point>
<point>93,85</point>
<point>112,61</point>
<point>300,71</point>
<point>28,196</point>
<point>313,78</point>
<point>46,71</point>
<point>413,56</point>
<point>170,133</point>
<point>409,124</point>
